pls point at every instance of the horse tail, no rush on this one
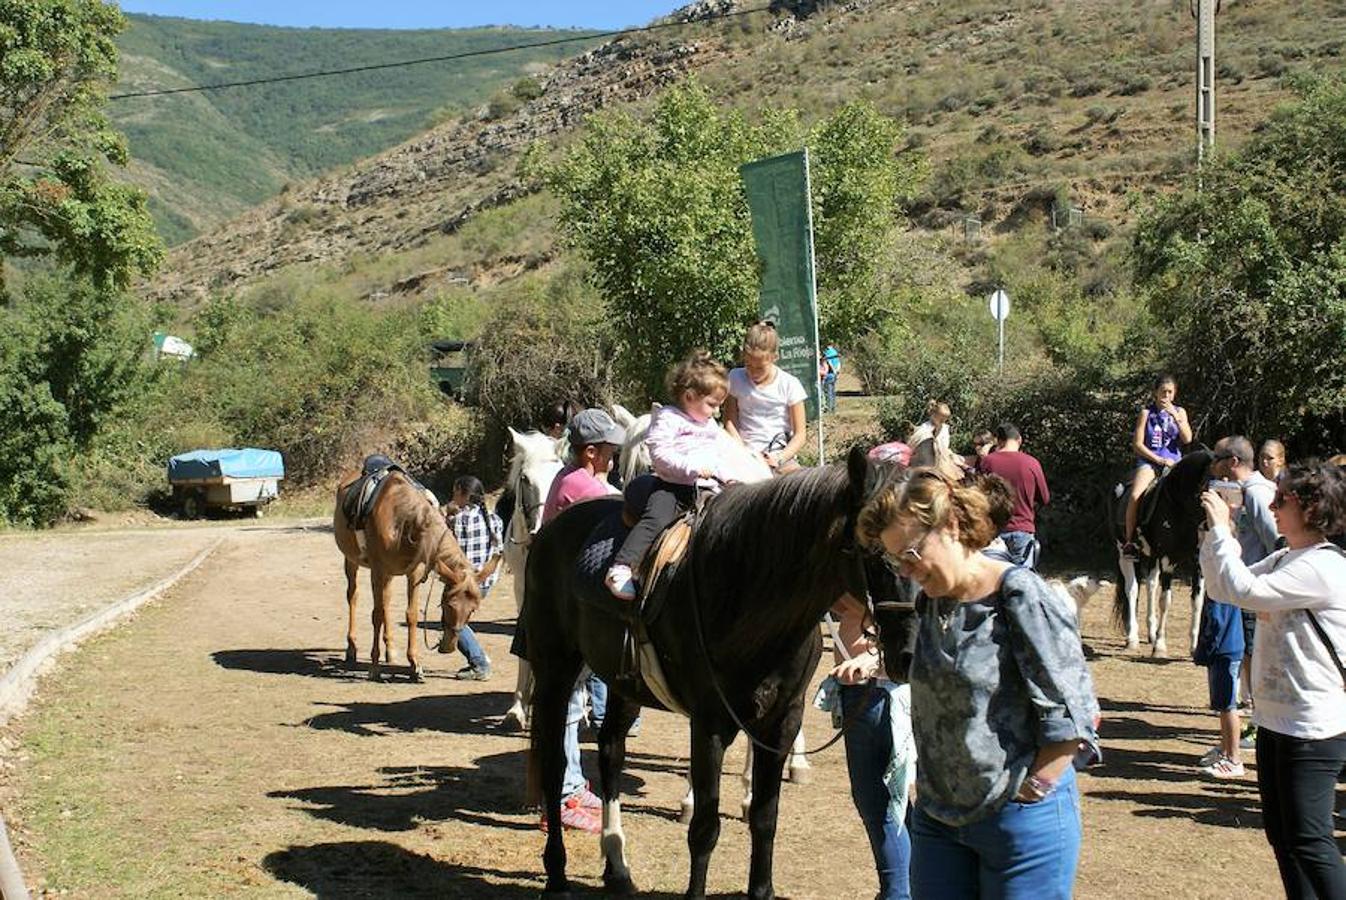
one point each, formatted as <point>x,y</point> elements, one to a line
<point>1120,610</point>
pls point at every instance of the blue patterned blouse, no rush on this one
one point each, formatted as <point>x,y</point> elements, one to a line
<point>992,680</point>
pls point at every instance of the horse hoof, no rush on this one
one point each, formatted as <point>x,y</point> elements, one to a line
<point>418,675</point>
<point>801,774</point>
<point>1132,646</point>
<point>375,675</point>
<point>351,659</point>
<point>621,887</point>
<point>1160,651</point>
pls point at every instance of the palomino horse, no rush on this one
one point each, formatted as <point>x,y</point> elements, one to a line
<point>1167,536</point>
<point>404,534</point>
<point>737,638</point>
<point>533,465</point>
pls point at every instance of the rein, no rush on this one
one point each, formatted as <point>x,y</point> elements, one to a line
<point>846,723</point>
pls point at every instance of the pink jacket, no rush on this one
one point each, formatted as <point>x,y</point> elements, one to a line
<point>680,447</point>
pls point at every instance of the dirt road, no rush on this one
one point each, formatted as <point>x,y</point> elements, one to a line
<point>216,747</point>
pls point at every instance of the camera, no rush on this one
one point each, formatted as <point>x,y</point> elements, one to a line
<point>1231,492</point>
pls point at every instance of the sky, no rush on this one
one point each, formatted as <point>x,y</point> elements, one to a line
<point>600,14</point>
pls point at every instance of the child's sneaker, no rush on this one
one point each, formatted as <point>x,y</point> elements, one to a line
<point>620,582</point>
<point>1224,768</point>
<point>575,815</point>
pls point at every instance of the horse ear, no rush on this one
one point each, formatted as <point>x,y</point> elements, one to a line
<point>857,468</point>
<point>513,435</point>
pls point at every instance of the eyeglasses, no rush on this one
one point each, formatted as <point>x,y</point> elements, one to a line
<point>906,558</point>
<point>1279,500</point>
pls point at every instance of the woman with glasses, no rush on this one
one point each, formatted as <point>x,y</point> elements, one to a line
<point>1299,595</point>
<point>1002,703</point>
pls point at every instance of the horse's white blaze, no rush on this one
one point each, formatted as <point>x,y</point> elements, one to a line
<point>613,840</point>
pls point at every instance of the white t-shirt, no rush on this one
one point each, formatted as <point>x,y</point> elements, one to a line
<point>764,409</point>
<point>925,431</point>
<point>1295,680</point>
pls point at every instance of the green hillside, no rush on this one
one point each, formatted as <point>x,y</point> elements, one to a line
<point>207,156</point>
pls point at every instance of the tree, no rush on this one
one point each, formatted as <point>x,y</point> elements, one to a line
<point>56,57</point>
<point>1245,270</point>
<point>658,211</point>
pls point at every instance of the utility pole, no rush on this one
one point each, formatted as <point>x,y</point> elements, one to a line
<point>1204,11</point>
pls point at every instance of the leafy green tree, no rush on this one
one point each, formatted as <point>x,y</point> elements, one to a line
<point>1245,272</point>
<point>56,199</point>
<point>657,209</point>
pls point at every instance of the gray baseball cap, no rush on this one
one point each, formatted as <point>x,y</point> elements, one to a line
<point>594,426</point>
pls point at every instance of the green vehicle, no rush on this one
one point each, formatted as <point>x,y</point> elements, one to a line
<point>448,366</point>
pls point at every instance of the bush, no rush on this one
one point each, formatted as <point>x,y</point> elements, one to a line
<point>526,89</point>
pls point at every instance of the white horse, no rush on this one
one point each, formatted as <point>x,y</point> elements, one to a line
<point>533,466</point>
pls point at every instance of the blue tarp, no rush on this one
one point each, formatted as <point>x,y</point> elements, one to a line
<point>245,463</point>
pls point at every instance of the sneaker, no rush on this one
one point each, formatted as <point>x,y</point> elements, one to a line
<point>1209,758</point>
<point>620,582</point>
<point>575,816</point>
<point>587,798</point>
<point>1224,768</point>
<point>1248,739</point>
<point>471,673</point>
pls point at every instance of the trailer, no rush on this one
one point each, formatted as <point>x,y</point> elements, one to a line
<point>246,479</point>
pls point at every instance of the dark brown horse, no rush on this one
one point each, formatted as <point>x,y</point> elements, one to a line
<point>737,640</point>
<point>404,534</point>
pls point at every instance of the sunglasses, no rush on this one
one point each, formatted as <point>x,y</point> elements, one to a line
<point>1281,497</point>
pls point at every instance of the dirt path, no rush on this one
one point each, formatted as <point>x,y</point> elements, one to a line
<point>214,747</point>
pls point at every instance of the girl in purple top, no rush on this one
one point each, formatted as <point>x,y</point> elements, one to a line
<point>1161,432</point>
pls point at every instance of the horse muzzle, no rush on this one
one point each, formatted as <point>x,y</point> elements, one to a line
<point>449,642</point>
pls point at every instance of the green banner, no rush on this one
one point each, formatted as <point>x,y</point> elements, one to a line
<point>782,229</point>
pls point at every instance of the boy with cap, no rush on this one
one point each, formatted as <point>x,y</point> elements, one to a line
<point>594,437</point>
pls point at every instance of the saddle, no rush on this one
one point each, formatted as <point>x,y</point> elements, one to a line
<point>360,497</point>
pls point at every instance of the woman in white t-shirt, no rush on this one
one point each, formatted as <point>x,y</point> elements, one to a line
<point>1299,595</point>
<point>765,406</point>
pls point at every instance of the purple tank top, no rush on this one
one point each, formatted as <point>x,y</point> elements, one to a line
<point>1162,437</point>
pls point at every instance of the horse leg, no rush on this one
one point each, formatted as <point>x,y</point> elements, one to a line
<point>799,766</point>
<point>617,720</point>
<point>417,672</point>
<point>746,778</point>
<point>1152,601</point>
<point>554,684</point>
<point>516,719</point>
<point>1198,601</point>
<point>1131,586</point>
<point>1165,603</point>
<point>766,780</point>
<point>380,586</point>
<point>688,803</point>
<point>352,596</point>
<point>709,738</point>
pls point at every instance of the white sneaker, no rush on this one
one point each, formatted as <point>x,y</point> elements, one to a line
<point>1224,767</point>
<point>620,582</point>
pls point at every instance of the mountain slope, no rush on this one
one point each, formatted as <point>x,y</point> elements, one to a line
<point>1016,104</point>
<point>207,156</point>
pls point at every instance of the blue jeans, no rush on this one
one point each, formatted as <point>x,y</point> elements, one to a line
<point>869,747</point>
<point>471,647</point>
<point>598,701</point>
<point>1025,851</point>
<point>830,393</point>
<point>1023,547</point>
<point>573,779</point>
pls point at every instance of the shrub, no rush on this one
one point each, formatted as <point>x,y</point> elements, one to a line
<point>526,89</point>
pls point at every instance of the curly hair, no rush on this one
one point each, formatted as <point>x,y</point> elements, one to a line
<point>1320,488</point>
<point>699,373</point>
<point>935,500</point>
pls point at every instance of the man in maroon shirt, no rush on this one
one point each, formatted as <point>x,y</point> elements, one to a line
<point>1029,486</point>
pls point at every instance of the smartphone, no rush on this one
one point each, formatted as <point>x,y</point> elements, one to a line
<point>1231,492</point>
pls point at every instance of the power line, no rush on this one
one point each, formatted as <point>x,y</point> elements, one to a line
<point>299,76</point>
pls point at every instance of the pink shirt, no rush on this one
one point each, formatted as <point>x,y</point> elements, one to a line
<point>681,447</point>
<point>571,485</point>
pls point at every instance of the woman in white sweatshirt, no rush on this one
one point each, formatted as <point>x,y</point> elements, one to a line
<point>1299,595</point>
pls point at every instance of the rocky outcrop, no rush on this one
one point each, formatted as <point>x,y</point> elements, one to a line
<point>439,180</point>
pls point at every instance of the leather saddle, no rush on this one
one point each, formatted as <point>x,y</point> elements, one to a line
<point>360,497</point>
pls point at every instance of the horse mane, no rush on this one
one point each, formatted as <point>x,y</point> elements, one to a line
<point>770,549</point>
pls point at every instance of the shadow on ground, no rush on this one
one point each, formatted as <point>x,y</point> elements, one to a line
<point>475,713</point>
<point>491,792</point>
<point>357,870</point>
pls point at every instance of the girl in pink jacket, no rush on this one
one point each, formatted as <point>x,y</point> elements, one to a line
<point>684,442</point>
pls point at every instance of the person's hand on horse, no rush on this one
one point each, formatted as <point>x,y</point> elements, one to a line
<point>1217,510</point>
<point>1167,463</point>
<point>857,669</point>
<point>772,460</point>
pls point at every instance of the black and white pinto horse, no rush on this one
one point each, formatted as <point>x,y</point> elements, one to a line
<point>737,640</point>
<point>1167,537</point>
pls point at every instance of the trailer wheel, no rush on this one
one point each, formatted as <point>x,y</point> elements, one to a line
<point>257,511</point>
<point>193,505</point>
